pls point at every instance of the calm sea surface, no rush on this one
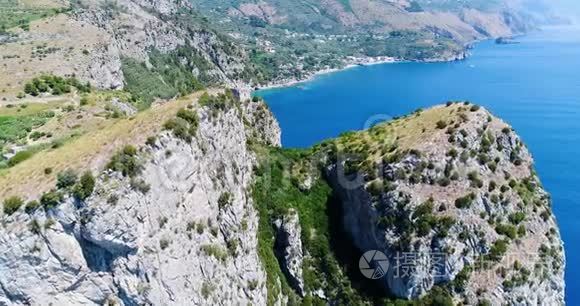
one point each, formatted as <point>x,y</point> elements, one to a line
<point>534,85</point>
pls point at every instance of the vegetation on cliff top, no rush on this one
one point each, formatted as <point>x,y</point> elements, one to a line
<point>100,139</point>
<point>167,78</point>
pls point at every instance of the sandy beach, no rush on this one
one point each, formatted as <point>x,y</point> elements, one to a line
<point>350,63</point>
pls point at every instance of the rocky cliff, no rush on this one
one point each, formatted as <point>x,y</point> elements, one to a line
<point>448,194</point>
<point>211,211</point>
<point>181,230</point>
<point>457,205</point>
<point>97,41</point>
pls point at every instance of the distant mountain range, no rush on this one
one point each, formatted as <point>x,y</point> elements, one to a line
<point>280,32</point>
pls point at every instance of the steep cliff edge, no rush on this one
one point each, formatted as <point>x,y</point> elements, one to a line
<point>457,203</point>
<point>211,211</point>
<point>171,222</point>
<point>448,194</point>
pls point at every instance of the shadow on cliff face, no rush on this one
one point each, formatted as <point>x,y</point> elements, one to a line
<point>348,255</point>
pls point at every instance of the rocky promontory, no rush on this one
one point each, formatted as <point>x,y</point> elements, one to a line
<point>456,203</point>
<point>213,211</point>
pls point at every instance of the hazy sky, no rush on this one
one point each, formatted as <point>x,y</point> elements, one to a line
<point>566,5</point>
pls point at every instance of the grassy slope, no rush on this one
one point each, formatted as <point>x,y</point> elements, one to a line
<point>20,13</point>
<point>92,150</point>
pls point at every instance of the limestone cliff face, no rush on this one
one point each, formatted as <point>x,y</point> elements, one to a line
<point>95,38</point>
<point>133,28</point>
<point>460,207</point>
<point>183,232</point>
<point>448,194</point>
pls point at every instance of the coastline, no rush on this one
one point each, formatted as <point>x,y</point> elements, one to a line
<point>353,62</point>
<point>349,63</point>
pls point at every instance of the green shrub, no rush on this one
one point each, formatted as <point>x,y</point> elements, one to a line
<point>507,230</point>
<point>484,302</point>
<point>189,116</point>
<point>443,226</point>
<point>475,180</point>
<point>437,296</point>
<point>12,204</point>
<point>441,124</point>
<point>66,179</point>
<point>151,141</point>
<point>126,162</point>
<point>36,135</point>
<point>20,157</point>
<point>423,228</point>
<point>219,103</point>
<point>34,226</point>
<point>465,202</point>
<point>545,215</point>
<point>522,231</point>
<point>376,187</point>
<point>444,182</point>
<point>167,78</point>
<point>453,153</point>
<point>200,228</point>
<point>51,199</point>
<point>185,125</point>
<point>163,244</point>
<point>224,200</point>
<point>517,218</point>
<point>31,207</point>
<point>215,251</point>
<point>492,186</point>
<point>49,223</point>
<point>497,250</point>
<point>85,187</point>
<point>181,129</point>
<point>54,85</point>
<point>461,279</point>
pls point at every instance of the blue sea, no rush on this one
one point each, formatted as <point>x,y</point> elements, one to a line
<point>533,85</point>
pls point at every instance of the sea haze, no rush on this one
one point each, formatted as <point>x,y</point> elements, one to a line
<point>533,85</point>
